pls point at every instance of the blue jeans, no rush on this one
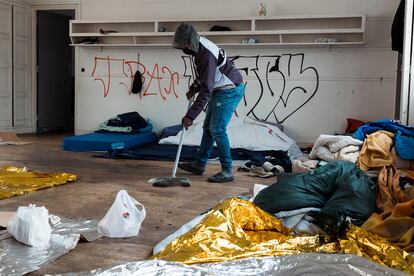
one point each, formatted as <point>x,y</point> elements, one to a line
<point>220,108</point>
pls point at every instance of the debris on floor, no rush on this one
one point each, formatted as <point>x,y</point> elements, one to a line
<point>237,229</point>
<point>361,206</point>
<point>18,258</point>
<point>10,138</point>
<point>124,218</point>
<point>30,226</point>
<point>18,181</point>
<point>300,264</point>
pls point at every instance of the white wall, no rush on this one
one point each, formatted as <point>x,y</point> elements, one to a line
<point>355,82</point>
<point>135,9</point>
<point>17,2</point>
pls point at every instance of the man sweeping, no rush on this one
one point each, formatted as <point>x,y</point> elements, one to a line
<point>218,84</point>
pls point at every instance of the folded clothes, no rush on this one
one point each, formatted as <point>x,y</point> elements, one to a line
<point>131,122</point>
<point>326,146</point>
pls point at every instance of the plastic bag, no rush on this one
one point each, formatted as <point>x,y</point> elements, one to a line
<point>123,219</point>
<point>30,225</point>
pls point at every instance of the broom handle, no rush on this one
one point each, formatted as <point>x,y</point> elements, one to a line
<point>177,157</point>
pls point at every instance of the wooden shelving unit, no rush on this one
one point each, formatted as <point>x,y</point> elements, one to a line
<point>260,31</point>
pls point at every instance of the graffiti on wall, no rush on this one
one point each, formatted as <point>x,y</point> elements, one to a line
<point>157,80</point>
<point>277,86</point>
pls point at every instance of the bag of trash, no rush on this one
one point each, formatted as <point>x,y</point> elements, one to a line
<point>124,218</point>
<point>30,225</point>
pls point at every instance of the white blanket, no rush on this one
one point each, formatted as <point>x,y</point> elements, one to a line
<point>243,133</point>
<point>326,146</point>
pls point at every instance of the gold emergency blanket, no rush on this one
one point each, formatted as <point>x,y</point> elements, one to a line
<point>237,229</point>
<point>17,181</point>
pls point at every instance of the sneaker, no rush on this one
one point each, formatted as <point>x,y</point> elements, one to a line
<point>192,167</point>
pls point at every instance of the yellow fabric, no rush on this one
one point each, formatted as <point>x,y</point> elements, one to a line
<point>396,227</point>
<point>376,150</point>
<point>17,181</point>
<point>389,192</point>
<point>237,229</point>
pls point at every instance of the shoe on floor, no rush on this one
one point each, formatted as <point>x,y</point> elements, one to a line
<point>220,177</point>
<point>192,167</point>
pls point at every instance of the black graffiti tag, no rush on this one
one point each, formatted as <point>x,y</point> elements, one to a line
<point>283,79</point>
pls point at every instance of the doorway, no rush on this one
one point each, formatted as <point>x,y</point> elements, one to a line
<point>55,71</point>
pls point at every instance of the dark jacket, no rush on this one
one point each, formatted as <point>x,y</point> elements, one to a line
<point>215,72</point>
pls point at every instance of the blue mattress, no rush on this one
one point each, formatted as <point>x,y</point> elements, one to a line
<point>106,141</point>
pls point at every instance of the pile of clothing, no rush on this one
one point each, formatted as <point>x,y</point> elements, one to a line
<point>237,229</point>
<point>384,151</point>
<point>126,123</point>
<point>351,195</point>
<point>271,164</point>
<point>337,193</point>
<point>336,147</point>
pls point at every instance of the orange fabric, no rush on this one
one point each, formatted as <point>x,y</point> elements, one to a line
<point>389,192</point>
<point>396,226</point>
<point>376,150</point>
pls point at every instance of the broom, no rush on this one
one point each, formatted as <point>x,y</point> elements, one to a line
<point>173,180</point>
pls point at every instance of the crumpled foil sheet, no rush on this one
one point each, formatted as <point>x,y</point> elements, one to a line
<point>302,264</point>
<point>87,228</point>
<point>237,229</point>
<point>17,258</point>
<point>17,181</point>
<point>360,242</point>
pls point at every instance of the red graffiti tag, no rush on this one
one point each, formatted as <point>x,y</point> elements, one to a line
<point>147,77</point>
<point>155,75</point>
<point>171,87</point>
<point>107,84</point>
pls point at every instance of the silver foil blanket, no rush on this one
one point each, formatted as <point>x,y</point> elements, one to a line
<point>301,264</point>
<point>18,259</point>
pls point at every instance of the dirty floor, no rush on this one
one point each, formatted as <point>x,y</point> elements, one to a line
<point>98,182</point>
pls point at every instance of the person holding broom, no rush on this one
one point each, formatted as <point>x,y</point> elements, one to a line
<point>218,84</point>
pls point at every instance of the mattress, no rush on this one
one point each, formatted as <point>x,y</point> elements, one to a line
<point>107,141</point>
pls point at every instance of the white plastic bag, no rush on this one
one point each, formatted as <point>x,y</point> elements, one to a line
<point>30,225</point>
<point>123,219</point>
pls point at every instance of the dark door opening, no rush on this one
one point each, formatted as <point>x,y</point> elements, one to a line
<point>55,71</point>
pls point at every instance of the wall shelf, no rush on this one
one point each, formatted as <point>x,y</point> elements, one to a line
<point>262,31</point>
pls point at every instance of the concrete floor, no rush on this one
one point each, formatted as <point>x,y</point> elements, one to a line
<point>99,180</point>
